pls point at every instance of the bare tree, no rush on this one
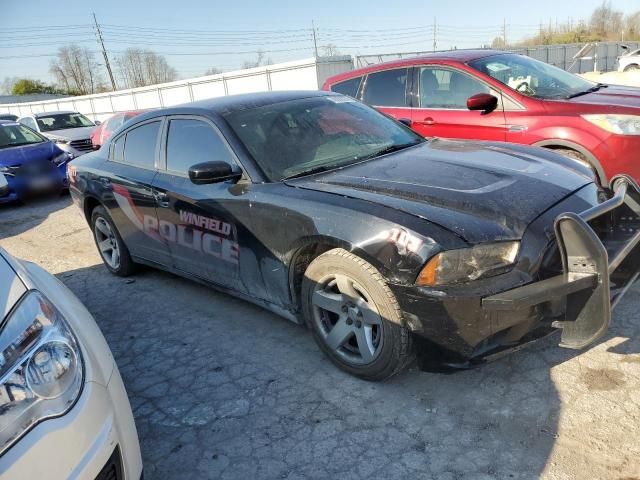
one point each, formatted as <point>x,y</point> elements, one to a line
<point>606,20</point>
<point>7,84</point>
<point>76,70</point>
<point>260,61</point>
<point>138,68</point>
<point>213,71</point>
<point>330,50</point>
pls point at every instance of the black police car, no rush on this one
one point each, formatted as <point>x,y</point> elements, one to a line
<point>386,245</point>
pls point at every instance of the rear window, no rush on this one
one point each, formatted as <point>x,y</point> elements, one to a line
<point>140,145</point>
<point>348,87</point>
<point>387,89</point>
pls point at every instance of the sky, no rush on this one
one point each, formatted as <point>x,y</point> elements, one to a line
<point>197,35</point>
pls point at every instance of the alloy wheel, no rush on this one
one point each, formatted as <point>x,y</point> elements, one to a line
<point>107,243</point>
<point>348,320</point>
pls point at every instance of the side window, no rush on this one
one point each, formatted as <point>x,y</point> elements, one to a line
<point>387,89</point>
<point>192,141</point>
<point>117,150</point>
<point>29,122</point>
<point>140,145</point>
<point>444,88</point>
<point>348,87</point>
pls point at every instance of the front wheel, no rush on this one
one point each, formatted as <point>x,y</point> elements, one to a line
<point>354,316</point>
<point>113,251</point>
<point>632,68</point>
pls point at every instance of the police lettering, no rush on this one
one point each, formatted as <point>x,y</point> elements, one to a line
<point>197,240</point>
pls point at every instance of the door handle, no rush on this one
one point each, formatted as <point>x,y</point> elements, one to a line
<point>162,199</point>
<point>428,121</point>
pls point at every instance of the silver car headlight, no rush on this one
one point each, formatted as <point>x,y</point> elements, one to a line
<point>614,123</point>
<point>41,367</point>
<point>465,264</point>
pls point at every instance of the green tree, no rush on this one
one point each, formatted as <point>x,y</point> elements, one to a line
<point>26,86</point>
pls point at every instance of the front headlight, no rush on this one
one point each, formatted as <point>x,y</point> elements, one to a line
<point>456,266</point>
<point>41,368</point>
<point>618,124</point>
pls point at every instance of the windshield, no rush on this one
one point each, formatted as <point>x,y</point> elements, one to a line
<point>296,137</point>
<point>62,121</point>
<point>531,77</point>
<point>16,135</point>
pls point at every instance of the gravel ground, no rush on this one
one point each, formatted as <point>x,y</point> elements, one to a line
<point>223,389</point>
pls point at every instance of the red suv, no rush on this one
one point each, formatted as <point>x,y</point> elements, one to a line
<point>492,95</point>
<point>103,132</point>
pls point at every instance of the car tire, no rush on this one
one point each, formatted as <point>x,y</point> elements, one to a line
<point>113,251</point>
<point>354,316</point>
<point>631,68</point>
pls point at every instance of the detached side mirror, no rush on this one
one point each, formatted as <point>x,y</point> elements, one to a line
<point>4,186</point>
<point>484,102</point>
<point>212,172</point>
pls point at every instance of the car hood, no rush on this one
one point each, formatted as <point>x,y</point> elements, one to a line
<point>612,96</point>
<point>28,153</point>
<point>480,191</point>
<point>79,133</point>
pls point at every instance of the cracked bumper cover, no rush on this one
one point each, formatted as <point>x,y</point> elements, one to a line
<point>587,269</point>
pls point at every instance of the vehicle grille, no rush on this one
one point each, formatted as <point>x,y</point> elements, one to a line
<point>83,145</point>
<point>113,468</point>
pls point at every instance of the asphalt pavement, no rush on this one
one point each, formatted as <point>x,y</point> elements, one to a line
<point>224,389</point>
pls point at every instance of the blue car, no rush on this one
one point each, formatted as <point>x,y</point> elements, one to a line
<point>30,163</point>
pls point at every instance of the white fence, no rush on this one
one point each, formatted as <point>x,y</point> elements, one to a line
<point>308,74</point>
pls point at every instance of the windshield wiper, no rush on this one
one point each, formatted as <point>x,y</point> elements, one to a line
<point>595,88</point>
<point>389,149</point>
<point>311,171</point>
<point>324,168</point>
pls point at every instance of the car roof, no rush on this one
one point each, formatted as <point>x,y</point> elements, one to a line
<point>232,103</point>
<point>252,100</point>
<point>46,114</point>
<point>461,56</point>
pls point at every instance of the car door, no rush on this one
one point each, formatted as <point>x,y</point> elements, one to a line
<point>132,166</point>
<point>441,94</point>
<point>388,91</point>
<point>204,224</point>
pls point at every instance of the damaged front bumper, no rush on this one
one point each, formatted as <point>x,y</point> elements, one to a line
<point>585,287</point>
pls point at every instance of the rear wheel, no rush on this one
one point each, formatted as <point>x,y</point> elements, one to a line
<point>632,68</point>
<point>112,249</point>
<point>354,316</point>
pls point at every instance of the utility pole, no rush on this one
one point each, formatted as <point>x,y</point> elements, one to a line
<point>504,31</point>
<point>435,33</point>
<point>104,53</point>
<point>315,42</point>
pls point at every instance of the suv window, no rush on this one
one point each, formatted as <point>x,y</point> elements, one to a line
<point>387,89</point>
<point>444,88</point>
<point>348,87</point>
<point>192,141</point>
<point>29,122</point>
<point>140,145</point>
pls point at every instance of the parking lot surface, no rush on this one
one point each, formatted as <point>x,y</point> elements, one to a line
<point>223,389</point>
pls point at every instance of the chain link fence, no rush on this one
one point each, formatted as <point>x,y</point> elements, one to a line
<point>602,58</point>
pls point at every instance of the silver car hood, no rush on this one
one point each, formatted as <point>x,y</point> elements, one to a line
<point>80,133</point>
